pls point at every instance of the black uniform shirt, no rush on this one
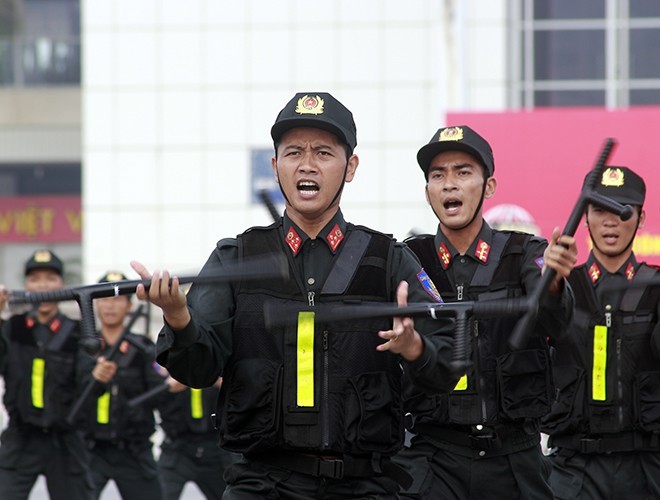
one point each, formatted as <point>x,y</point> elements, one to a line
<point>556,310</point>
<point>197,354</point>
<point>610,287</point>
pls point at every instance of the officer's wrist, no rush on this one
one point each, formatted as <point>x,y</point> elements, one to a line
<point>414,352</point>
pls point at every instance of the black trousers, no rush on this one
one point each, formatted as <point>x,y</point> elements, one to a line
<point>632,474</point>
<point>448,474</point>
<point>133,469</point>
<point>61,457</point>
<point>202,463</point>
<point>251,480</point>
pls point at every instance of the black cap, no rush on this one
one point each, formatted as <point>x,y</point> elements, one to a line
<point>319,110</point>
<point>461,138</point>
<point>112,276</point>
<point>44,259</point>
<point>621,184</point>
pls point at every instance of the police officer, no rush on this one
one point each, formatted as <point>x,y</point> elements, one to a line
<point>118,436</point>
<point>39,358</point>
<point>482,439</point>
<point>605,424</point>
<point>190,450</point>
<point>315,408</point>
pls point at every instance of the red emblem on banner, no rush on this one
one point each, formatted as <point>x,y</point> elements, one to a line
<point>482,251</point>
<point>293,240</point>
<point>444,256</point>
<point>594,272</point>
<point>335,237</point>
<point>630,271</point>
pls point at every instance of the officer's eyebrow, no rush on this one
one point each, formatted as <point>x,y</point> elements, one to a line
<point>460,166</point>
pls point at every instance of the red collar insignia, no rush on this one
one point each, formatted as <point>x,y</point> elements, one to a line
<point>293,240</point>
<point>29,322</point>
<point>482,251</point>
<point>630,271</point>
<point>444,255</point>
<point>594,272</point>
<point>123,347</point>
<point>55,324</point>
<point>335,237</point>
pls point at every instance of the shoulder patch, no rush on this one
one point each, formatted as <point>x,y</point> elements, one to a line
<point>539,262</point>
<point>429,286</point>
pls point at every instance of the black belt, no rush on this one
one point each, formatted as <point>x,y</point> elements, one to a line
<point>629,441</point>
<point>481,437</point>
<point>335,468</point>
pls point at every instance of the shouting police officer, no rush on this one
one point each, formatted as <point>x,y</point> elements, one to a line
<point>315,408</point>
<point>482,440</point>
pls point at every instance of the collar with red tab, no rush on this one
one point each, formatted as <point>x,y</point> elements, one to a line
<point>334,233</point>
<point>54,324</point>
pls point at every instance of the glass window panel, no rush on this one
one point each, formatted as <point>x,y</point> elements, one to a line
<point>569,98</point>
<point>641,97</point>
<point>569,9</point>
<point>644,8</point>
<point>645,53</point>
<point>569,55</point>
<point>41,179</point>
<point>6,62</point>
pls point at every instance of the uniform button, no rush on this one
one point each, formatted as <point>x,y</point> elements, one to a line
<point>480,427</point>
<point>482,453</point>
<point>462,260</point>
<point>311,281</point>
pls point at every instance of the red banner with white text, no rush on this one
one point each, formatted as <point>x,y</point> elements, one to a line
<point>47,219</point>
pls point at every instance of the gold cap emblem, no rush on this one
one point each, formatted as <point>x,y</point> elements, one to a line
<point>114,277</point>
<point>309,105</point>
<point>612,177</point>
<point>42,256</point>
<point>451,134</point>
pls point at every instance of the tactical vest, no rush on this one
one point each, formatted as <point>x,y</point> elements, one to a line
<point>501,385</point>
<point>607,378</point>
<point>189,412</point>
<point>110,417</point>
<point>40,381</point>
<point>312,386</point>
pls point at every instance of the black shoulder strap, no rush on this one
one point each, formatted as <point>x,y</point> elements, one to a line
<point>483,276</point>
<point>633,295</point>
<point>347,262</point>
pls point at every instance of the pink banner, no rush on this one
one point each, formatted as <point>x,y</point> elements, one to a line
<point>48,219</point>
<point>542,157</point>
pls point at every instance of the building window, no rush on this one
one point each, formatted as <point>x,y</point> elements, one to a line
<point>39,42</point>
<point>595,53</point>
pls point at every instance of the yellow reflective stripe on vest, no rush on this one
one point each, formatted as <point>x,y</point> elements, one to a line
<point>305,360</point>
<point>103,408</point>
<point>196,407</point>
<point>38,372</point>
<point>462,384</point>
<point>598,379</point>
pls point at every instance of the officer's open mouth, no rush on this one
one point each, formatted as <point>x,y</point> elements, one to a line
<point>307,187</point>
<point>452,204</point>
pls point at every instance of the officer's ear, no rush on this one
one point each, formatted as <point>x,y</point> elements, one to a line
<point>491,187</point>
<point>351,167</point>
<point>426,193</point>
<point>642,218</point>
<point>273,164</point>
